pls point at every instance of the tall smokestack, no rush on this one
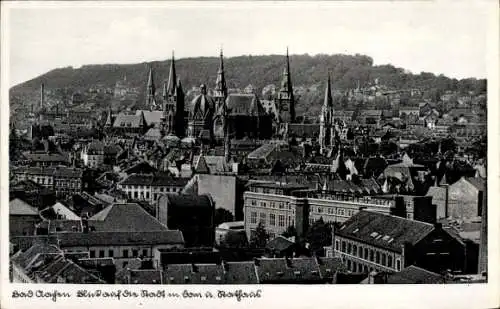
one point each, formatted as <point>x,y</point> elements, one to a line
<point>42,95</point>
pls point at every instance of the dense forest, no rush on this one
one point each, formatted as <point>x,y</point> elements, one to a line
<point>346,71</point>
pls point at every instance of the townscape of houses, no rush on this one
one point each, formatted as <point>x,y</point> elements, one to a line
<point>229,188</point>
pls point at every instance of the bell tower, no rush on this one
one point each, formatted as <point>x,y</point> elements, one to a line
<point>285,101</point>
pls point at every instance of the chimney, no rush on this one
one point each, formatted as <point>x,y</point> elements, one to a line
<point>301,219</point>
<point>42,95</point>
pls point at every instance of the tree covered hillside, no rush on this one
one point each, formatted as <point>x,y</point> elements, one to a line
<point>346,72</point>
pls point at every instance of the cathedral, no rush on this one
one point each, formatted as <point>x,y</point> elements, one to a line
<point>220,116</point>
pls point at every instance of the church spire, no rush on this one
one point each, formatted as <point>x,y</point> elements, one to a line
<point>286,100</point>
<point>220,91</point>
<point>150,98</point>
<point>328,102</point>
<point>171,88</point>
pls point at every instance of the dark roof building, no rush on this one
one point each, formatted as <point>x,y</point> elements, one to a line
<point>192,214</point>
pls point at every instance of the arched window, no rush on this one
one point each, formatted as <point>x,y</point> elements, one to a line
<point>389,261</point>
<point>354,250</point>
<point>343,246</point>
<point>383,259</point>
<point>377,257</point>
<point>371,255</point>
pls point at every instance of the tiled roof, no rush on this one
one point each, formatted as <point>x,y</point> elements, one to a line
<point>477,182</point>
<point>45,157</point>
<point>263,151</point>
<point>153,134</point>
<point>139,276</point>
<point>61,226</point>
<point>125,217</point>
<point>240,273</point>
<point>152,117</point>
<point>329,266</point>
<point>66,271</point>
<point>158,179</point>
<point>185,200</point>
<point>169,237</point>
<point>385,231</point>
<point>18,207</point>
<point>304,129</point>
<point>128,121</point>
<point>414,275</point>
<point>279,243</point>
<point>288,271</point>
<point>244,104</point>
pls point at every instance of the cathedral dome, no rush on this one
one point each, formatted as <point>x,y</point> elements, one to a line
<point>203,104</point>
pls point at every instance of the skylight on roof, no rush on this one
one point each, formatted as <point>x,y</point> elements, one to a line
<point>390,240</point>
<point>386,237</point>
<point>378,237</point>
<point>342,227</point>
<point>355,231</point>
<point>374,234</point>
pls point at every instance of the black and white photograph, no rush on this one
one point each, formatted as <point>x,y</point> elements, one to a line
<point>254,144</point>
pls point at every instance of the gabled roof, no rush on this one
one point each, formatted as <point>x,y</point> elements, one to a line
<point>151,117</point>
<point>128,121</point>
<point>283,270</point>
<point>125,217</point>
<point>477,182</point>
<point>385,231</point>
<point>414,275</point>
<point>18,207</point>
<point>244,104</point>
<point>139,276</point>
<point>279,243</point>
<point>167,237</point>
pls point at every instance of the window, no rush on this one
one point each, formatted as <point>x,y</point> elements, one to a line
<point>377,257</point>
<point>125,253</point>
<point>101,253</point>
<point>92,254</point>
<point>337,243</point>
<point>253,217</point>
<point>136,195</point>
<point>135,253</point>
<point>111,253</point>
<point>281,220</point>
<point>371,255</point>
<point>253,202</point>
<point>366,254</point>
<point>360,252</point>
<point>348,264</point>
<point>263,218</point>
<point>272,219</point>
<point>389,261</point>
<point>343,246</point>
<point>349,248</point>
<point>290,221</point>
<point>320,210</point>
<point>398,265</point>
<point>383,259</point>
<point>354,250</point>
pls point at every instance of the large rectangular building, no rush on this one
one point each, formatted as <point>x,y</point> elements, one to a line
<point>274,205</point>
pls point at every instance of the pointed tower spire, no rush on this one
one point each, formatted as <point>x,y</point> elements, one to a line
<point>286,102</point>
<point>151,89</point>
<point>172,78</point>
<point>220,91</point>
<point>328,102</point>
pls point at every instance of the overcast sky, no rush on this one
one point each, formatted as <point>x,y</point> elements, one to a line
<point>448,39</point>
